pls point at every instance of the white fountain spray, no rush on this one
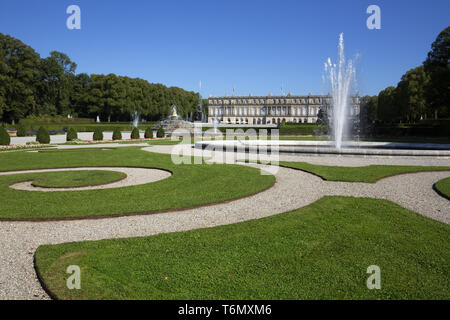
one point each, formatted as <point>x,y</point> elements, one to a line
<point>135,118</point>
<point>341,79</point>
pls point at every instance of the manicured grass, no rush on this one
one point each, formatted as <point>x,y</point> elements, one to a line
<point>190,185</point>
<point>443,186</point>
<point>169,141</point>
<point>321,251</point>
<point>68,179</point>
<point>77,149</point>
<point>369,174</point>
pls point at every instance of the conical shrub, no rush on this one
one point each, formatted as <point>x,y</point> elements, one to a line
<point>72,134</point>
<point>117,134</point>
<point>21,132</point>
<point>160,133</point>
<point>98,134</point>
<point>148,133</point>
<point>135,133</point>
<point>5,139</point>
<point>42,136</point>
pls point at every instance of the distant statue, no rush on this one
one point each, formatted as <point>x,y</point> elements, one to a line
<point>174,115</point>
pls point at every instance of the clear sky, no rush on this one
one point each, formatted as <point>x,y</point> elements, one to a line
<point>255,45</point>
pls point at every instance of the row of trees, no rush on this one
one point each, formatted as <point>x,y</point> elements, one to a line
<point>422,93</point>
<point>35,86</point>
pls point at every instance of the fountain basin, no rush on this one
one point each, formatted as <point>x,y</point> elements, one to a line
<point>328,147</point>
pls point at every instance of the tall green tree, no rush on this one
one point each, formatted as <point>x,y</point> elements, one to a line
<point>388,110</point>
<point>411,95</point>
<point>57,78</point>
<point>18,74</point>
<point>437,66</point>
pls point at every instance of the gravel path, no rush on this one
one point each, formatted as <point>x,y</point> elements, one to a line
<point>293,189</point>
<point>135,176</point>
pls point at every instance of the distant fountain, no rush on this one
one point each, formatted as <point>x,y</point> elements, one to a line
<point>174,121</point>
<point>98,119</point>
<point>215,126</point>
<point>135,118</point>
<point>341,79</point>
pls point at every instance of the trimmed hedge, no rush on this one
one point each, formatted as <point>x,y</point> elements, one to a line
<point>303,129</point>
<point>72,134</point>
<point>148,133</point>
<point>135,133</point>
<point>87,127</point>
<point>42,136</point>
<point>54,120</point>
<point>98,134</point>
<point>117,134</point>
<point>412,130</point>
<point>5,139</point>
<point>160,133</point>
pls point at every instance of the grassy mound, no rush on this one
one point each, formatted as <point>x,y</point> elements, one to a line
<point>190,185</point>
<point>443,187</point>
<point>369,174</point>
<point>70,179</point>
<point>321,251</point>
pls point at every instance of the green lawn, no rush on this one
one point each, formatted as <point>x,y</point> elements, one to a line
<point>218,183</point>
<point>369,174</point>
<point>443,186</point>
<point>68,179</point>
<point>321,251</point>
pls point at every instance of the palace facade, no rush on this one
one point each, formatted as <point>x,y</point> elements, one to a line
<point>272,109</point>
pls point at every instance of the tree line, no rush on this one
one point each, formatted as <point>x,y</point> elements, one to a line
<point>31,86</point>
<point>422,93</point>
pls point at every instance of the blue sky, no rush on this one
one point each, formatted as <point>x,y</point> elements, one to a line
<point>254,45</point>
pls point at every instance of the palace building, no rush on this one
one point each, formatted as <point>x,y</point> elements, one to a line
<point>270,109</point>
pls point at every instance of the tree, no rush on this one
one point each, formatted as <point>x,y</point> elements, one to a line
<point>57,75</point>
<point>98,134</point>
<point>437,66</point>
<point>135,133</point>
<point>18,74</point>
<point>117,134</point>
<point>148,133</point>
<point>72,134</point>
<point>5,139</point>
<point>411,94</point>
<point>31,86</point>
<point>42,136</point>
<point>21,132</point>
<point>160,133</point>
<point>388,110</point>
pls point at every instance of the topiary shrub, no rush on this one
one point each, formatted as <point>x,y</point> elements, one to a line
<point>72,134</point>
<point>135,133</point>
<point>117,134</point>
<point>5,139</point>
<point>160,133</point>
<point>98,134</point>
<point>42,136</point>
<point>21,132</point>
<point>148,133</point>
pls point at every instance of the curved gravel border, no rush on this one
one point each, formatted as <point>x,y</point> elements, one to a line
<point>293,189</point>
<point>135,176</point>
<point>439,192</point>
